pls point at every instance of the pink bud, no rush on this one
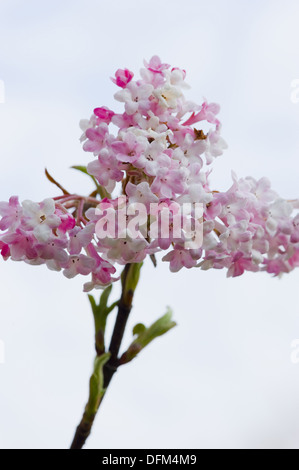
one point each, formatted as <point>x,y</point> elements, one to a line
<point>5,251</point>
<point>104,114</point>
<point>122,77</point>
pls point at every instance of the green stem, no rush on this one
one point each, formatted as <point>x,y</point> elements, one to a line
<point>107,364</point>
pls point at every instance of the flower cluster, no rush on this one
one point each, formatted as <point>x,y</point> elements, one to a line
<point>256,230</point>
<point>158,152</point>
<point>47,233</point>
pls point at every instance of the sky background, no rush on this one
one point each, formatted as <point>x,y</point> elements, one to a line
<point>223,378</point>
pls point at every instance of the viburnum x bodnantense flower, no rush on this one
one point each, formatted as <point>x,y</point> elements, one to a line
<point>157,154</point>
<point>154,152</point>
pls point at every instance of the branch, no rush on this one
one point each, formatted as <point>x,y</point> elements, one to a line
<point>53,181</point>
<point>108,364</point>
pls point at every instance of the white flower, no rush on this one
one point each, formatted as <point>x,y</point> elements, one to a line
<point>135,97</point>
<point>278,211</point>
<point>41,218</point>
<point>168,95</point>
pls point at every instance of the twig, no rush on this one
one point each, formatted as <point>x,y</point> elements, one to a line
<point>109,368</point>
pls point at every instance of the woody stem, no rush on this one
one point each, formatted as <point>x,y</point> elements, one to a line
<point>124,308</point>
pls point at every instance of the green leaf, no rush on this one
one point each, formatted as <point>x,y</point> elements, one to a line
<point>92,303</point>
<point>96,386</point>
<point>81,168</point>
<point>132,277</point>
<point>104,298</point>
<point>159,328</point>
<point>100,313</point>
<point>139,329</point>
<point>146,335</point>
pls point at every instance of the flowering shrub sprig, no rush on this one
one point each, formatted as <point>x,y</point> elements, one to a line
<point>157,152</point>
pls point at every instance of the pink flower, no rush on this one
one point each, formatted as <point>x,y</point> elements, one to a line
<point>106,168</point>
<point>104,114</point>
<point>208,113</point>
<point>79,264</point>
<point>294,260</point>
<point>150,160</point>
<point>101,276</point>
<point>122,77</point>
<point>168,182</point>
<point>96,138</point>
<point>276,266</point>
<point>126,249</point>
<point>80,238</point>
<point>295,230</point>
<point>164,225</point>
<point>68,222</point>
<point>130,148</point>
<point>215,146</point>
<point>141,193</point>
<point>54,249</point>
<point>155,65</point>
<point>239,265</point>
<point>102,271</point>
<point>22,245</point>
<point>11,213</point>
<point>180,258</point>
<point>123,121</point>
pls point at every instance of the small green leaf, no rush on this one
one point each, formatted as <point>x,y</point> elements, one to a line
<point>159,328</point>
<point>92,302</point>
<point>146,335</point>
<point>139,329</point>
<point>100,313</point>
<point>81,168</point>
<point>105,297</point>
<point>133,276</point>
<point>96,386</point>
